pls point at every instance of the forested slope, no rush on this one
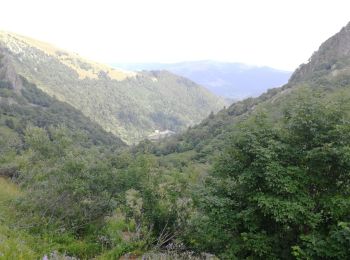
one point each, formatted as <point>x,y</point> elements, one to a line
<point>127,104</point>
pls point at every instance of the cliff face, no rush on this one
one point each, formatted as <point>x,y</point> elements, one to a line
<point>333,56</point>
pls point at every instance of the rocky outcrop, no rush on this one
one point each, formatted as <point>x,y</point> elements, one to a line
<point>333,54</point>
<point>8,76</point>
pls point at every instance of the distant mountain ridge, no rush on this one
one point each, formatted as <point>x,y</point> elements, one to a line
<point>326,75</point>
<point>131,105</point>
<point>231,80</point>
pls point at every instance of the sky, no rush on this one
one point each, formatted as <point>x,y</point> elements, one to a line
<point>276,33</point>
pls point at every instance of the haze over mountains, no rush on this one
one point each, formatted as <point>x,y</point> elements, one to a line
<point>264,178</point>
<point>327,73</point>
<point>131,105</point>
<point>231,80</point>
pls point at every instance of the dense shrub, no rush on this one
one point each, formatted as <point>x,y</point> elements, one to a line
<point>276,190</point>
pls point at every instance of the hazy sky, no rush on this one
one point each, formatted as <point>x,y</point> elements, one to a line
<point>277,33</point>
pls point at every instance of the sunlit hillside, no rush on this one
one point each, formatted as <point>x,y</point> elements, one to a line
<point>130,105</point>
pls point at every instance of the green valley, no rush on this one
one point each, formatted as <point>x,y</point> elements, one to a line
<point>265,178</point>
<point>128,104</point>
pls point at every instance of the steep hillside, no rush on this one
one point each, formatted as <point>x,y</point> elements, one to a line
<point>330,64</point>
<point>22,104</point>
<point>130,105</point>
<point>231,80</point>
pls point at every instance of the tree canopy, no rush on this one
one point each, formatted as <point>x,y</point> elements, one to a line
<point>282,189</point>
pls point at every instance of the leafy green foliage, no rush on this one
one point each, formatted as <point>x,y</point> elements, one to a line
<point>275,192</point>
<point>65,182</point>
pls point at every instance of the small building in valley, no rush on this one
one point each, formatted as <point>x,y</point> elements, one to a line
<point>157,134</point>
